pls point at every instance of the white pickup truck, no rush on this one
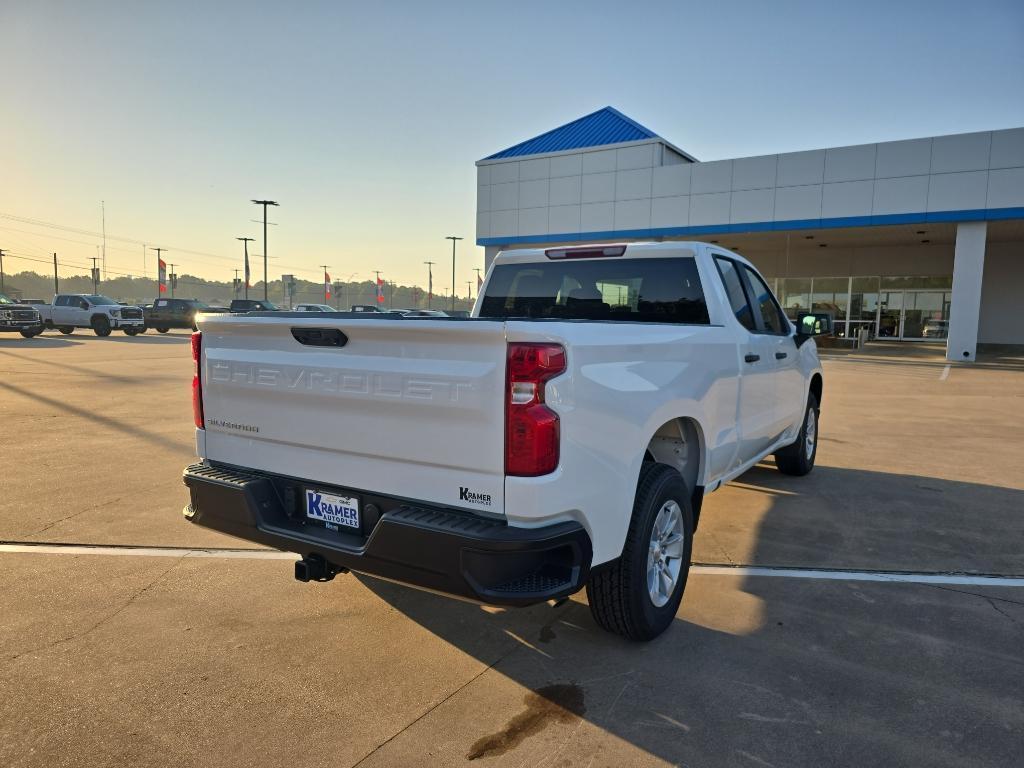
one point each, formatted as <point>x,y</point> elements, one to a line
<point>563,436</point>
<point>86,310</point>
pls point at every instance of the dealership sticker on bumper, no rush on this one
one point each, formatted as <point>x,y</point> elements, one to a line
<point>332,510</point>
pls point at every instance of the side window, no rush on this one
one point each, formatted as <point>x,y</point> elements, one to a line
<point>765,303</point>
<point>61,301</point>
<point>734,290</point>
<point>161,303</point>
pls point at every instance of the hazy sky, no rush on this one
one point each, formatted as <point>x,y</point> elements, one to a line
<point>364,119</point>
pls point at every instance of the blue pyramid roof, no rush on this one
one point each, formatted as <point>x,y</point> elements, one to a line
<point>606,126</point>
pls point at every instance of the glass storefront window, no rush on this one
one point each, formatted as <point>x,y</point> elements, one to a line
<point>918,282</point>
<point>795,295</point>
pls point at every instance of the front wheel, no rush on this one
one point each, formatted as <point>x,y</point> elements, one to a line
<point>637,596</point>
<point>798,458</point>
<point>31,334</point>
<point>161,329</point>
<point>67,330</point>
<point>130,331</point>
<point>101,326</point>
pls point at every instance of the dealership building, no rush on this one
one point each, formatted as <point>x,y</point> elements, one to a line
<point>916,240</point>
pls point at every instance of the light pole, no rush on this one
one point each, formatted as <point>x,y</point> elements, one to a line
<point>173,278</point>
<point>469,290</point>
<point>95,281</point>
<point>1,270</point>
<point>245,243</point>
<point>430,281</point>
<point>264,203</point>
<point>454,240</point>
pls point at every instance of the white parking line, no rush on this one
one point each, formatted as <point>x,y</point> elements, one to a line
<point>906,577</point>
<point>945,373</point>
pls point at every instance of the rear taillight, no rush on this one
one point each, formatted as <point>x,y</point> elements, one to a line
<point>197,383</point>
<point>531,428</point>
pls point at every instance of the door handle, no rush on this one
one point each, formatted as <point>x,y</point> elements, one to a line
<point>751,358</point>
<point>781,355</point>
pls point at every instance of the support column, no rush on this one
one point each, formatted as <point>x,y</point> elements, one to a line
<point>490,251</point>
<point>965,305</point>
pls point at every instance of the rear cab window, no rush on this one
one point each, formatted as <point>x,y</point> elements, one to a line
<point>646,290</point>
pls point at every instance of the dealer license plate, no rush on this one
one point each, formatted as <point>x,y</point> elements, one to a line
<point>333,511</point>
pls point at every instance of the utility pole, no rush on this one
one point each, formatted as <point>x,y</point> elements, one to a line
<point>172,279</point>
<point>478,282</point>
<point>159,251</point>
<point>234,286</point>
<point>454,240</point>
<point>143,260</point>
<point>430,281</point>
<point>469,290</point>
<point>103,216</point>
<point>245,242</point>
<point>95,281</point>
<point>56,284</point>
<point>264,203</point>
<point>1,270</point>
<point>326,284</point>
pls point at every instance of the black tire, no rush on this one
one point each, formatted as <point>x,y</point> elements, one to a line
<point>162,330</point>
<point>796,459</point>
<point>31,334</point>
<point>67,330</point>
<point>617,592</point>
<point>101,326</point>
<point>130,331</point>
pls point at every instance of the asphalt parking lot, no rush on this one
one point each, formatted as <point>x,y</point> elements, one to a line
<point>181,654</point>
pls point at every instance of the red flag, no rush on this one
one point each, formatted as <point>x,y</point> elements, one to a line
<point>327,285</point>
<point>380,291</point>
<point>479,282</point>
<point>163,275</point>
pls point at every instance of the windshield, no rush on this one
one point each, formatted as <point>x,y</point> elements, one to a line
<point>5,300</point>
<point>101,301</point>
<point>638,290</point>
<point>267,305</point>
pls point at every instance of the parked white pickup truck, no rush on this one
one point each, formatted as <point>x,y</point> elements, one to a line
<point>563,436</point>
<point>84,310</point>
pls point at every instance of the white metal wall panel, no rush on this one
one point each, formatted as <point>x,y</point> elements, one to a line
<point>1006,188</point>
<point>672,180</point>
<point>801,168</point>
<point>504,197</point>
<point>533,221</point>
<point>903,158</point>
<point>539,168</point>
<point>850,163</point>
<point>599,162</point>
<point>1007,149</point>
<point>715,176</point>
<point>633,214</point>
<point>709,209</point>
<point>629,158</point>
<point>901,195</point>
<point>670,211</point>
<point>567,165</point>
<point>564,218</point>
<point>963,152</point>
<point>803,202</point>
<point>957,191</point>
<point>533,194</point>
<point>847,198</point>
<point>754,172</point>
<point>598,187</point>
<point>633,185</point>
<point>564,190</point>
<point>752,205</point>
<point>597,217</point>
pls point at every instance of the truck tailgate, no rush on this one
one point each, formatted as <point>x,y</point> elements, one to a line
<point>409,408</point>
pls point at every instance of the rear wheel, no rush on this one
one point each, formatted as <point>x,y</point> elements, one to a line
<point>798,458</point>
<point>130,331</point>
<point>637,596</point>
<point>67,330</point>
<point>101,326</point>
<point>162,330</point>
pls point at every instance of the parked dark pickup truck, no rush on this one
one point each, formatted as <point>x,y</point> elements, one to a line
<point>22,318</point>
<point>177,313</point>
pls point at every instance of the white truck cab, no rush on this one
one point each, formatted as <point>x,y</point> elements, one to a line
<point>85,310</point>
<point>563,436</point>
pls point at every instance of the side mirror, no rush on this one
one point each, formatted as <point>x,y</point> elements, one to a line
<point>813,324</point>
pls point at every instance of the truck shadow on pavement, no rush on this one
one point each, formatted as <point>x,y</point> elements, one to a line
<point>759,670</point>
<point>38,342</point>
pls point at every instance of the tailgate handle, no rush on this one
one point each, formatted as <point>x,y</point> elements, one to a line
<point>320,337</point>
